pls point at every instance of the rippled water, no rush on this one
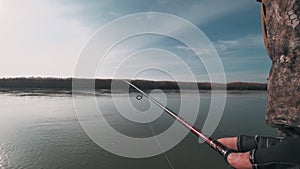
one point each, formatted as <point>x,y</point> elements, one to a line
<point>44,132</point>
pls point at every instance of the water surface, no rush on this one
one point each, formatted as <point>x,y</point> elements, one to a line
<point>42,131</point>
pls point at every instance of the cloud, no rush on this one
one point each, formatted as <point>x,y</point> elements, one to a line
<point>202,12</point>
<point>35,41</point>
<point>241,43</point>
<point>227,47</point>
<point>244,58</point>
<point>97,13</point>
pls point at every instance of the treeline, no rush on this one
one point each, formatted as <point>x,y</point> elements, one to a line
<point>66,84</point>
<point>246,86</point>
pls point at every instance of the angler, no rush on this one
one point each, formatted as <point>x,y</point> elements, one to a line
<point>281,28</point>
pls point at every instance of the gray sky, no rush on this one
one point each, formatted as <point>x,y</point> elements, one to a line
<point>44,37</point>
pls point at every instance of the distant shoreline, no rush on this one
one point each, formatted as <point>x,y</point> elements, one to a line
<point>19,84</point>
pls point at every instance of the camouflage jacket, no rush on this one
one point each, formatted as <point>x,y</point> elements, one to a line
<point>281,26</point>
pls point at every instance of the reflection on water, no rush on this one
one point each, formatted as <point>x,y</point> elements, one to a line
<point>3,156</point>
<point>43,132</point>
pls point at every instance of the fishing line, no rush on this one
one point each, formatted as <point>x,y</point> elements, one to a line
<point>140,97</point>
<point>160,146</point>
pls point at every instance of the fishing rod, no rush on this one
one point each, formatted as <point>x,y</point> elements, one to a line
<point>214,144</point>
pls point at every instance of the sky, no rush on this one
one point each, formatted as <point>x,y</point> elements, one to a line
<point>45,38</point>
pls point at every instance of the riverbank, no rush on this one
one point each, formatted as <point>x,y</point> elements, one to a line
<point>54,84</point>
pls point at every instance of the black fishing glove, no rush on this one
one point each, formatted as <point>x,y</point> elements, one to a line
<point>284,155</point>
<point>271,153</point>
<point>246,143</point>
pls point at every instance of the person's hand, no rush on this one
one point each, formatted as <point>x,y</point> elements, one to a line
<point>239,160</point>
<point>229,142</point>
<point>236,160</point>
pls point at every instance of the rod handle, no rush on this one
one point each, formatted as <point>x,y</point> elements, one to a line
<point>221,149</point>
